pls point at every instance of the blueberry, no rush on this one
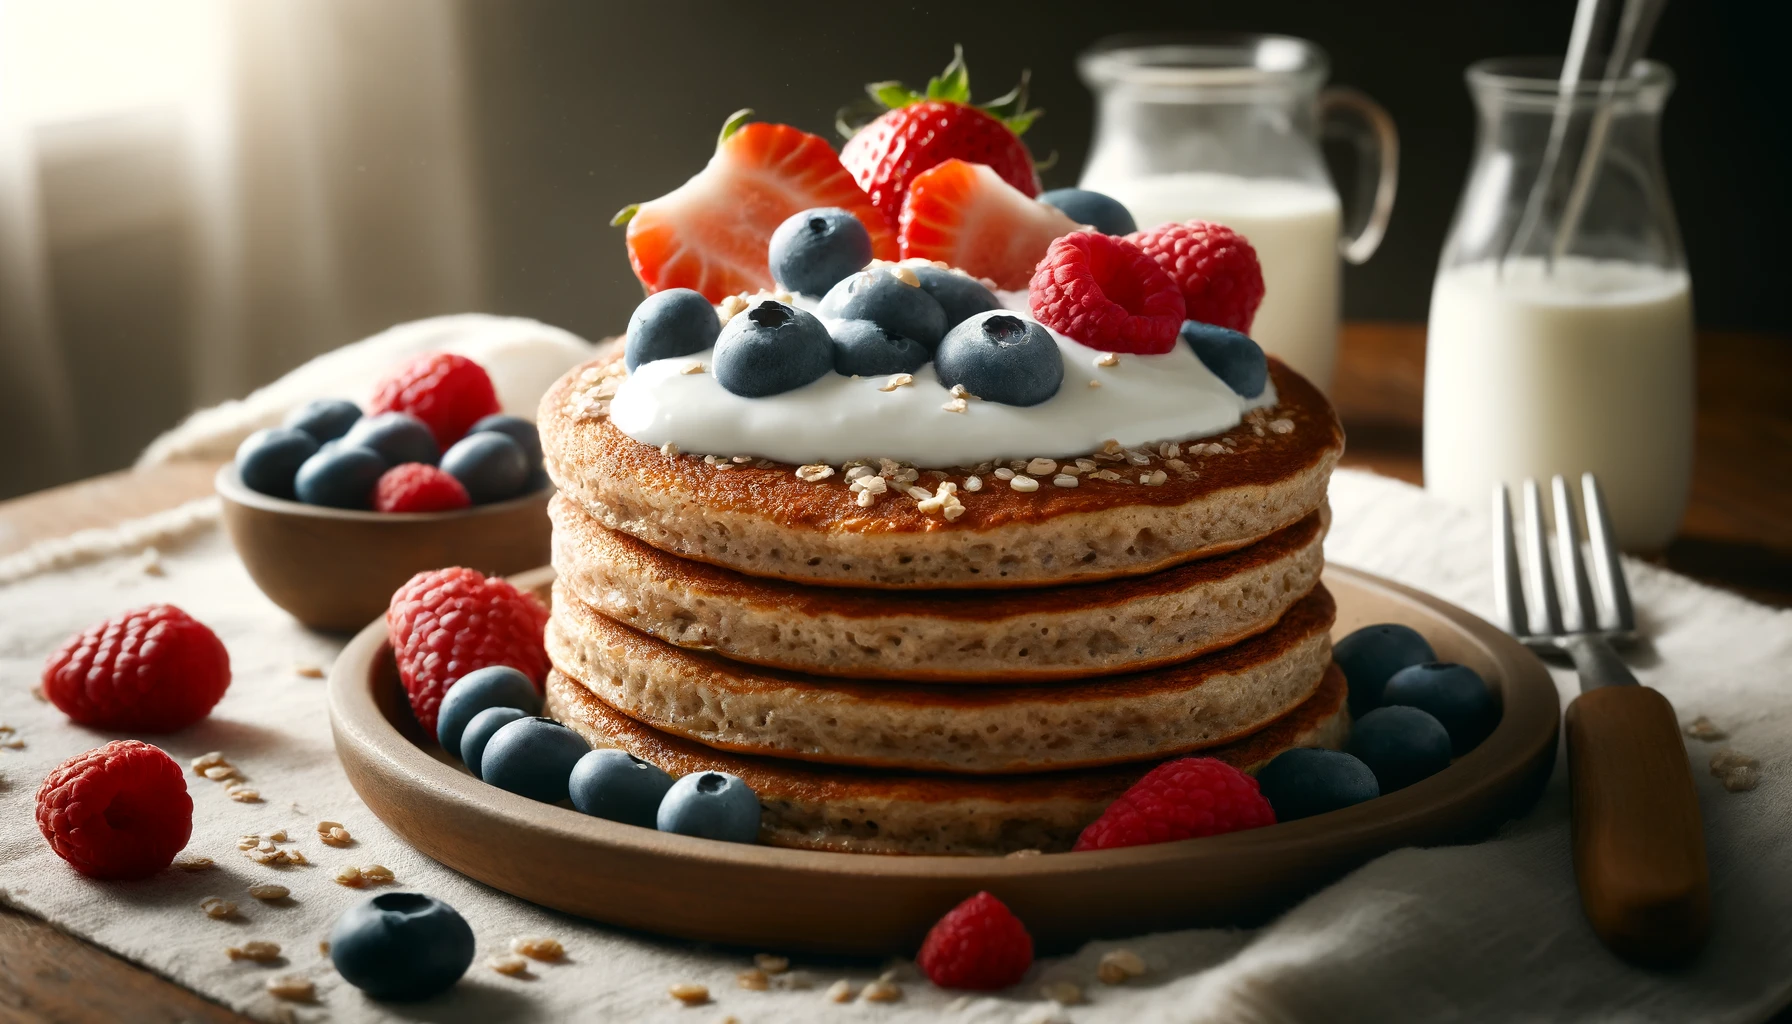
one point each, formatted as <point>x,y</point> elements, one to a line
<point>532,757</point>
<point>339,476</point>
<point>1455,695</point>
<point>1370,657</point>
<point>489,465</point>
<point>401,946</point>
<point>1000,357</point>
<point>1400,745</point>
<point>619,786</point>
<point>711,805</point>
<point>770,349</point>
<point>1306,781</point>
<point>1103,213</point>
<point>517,429</point>
<point>325,419</point>
<point>675,322</point>
<point>1233,357</point>
<point>269,459</point>
<point>497,686</point>
<point>479,732</point>
<point>881,297</point>
<point>866,349</point>
<point>398,438</point>
<point>960,295</point>
<point>812,251</point>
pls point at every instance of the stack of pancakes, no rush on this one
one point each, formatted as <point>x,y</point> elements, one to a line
<point>889,681</point>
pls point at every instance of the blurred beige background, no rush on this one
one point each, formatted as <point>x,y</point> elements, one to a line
<point>197,195</point>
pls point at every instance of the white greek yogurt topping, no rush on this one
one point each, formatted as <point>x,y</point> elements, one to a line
<point>1137,399</point>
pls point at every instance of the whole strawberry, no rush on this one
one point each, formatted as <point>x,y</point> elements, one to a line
<point>979,944</point>
<point>448,392</point>
<point>153,669</point>
<point>1187,798</point>
<point>921,130</point>
<point>1221,280</point>
<point>445,623</point>
<point>117,811</point>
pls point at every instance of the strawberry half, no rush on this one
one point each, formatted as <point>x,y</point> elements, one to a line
<point>922,130</point>
<point>966,215</point>
<point>711,233</point>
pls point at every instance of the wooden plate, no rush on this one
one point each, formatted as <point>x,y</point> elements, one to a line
<point>770,898</point>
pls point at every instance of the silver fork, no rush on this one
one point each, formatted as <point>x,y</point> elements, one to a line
<point>1639,845</point>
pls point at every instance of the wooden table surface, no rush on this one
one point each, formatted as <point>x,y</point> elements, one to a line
<point>1737,534</point>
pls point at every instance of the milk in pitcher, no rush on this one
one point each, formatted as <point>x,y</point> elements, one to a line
<point>1586,366</point>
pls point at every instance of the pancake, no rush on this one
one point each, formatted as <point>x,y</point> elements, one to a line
<point>946,728</point>
<point>1123,625</point>
<point>861,811</point>
<point>759,518</point>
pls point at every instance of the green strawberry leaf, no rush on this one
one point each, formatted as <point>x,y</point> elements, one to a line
<point>1012,102</point>
<point>1019,123</point>
<point>624,215</point>
<point>733,124</point>
<point>857,114</point>
<point>953,84</point>
<point>1011,107</point>
<point>893,94</point>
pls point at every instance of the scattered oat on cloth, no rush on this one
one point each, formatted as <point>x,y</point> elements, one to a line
<point>1485,932</point>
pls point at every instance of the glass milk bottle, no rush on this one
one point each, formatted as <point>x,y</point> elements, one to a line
<point>1227,128</point>
<point>1561,325</point>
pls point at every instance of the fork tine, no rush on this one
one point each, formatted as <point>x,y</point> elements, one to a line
<point>1578,613</point>
<point>1546,614</point>
<point>1608,571</point>
<point>1508,585</point>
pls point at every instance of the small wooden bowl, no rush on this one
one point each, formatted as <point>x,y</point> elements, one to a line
<point>763,897</point>
<point>336,569</point>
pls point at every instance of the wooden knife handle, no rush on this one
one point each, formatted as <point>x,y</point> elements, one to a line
<point>1639,843</point>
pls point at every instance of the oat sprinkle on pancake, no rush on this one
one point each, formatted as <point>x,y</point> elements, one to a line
<point>856,810</point>
<point>1111,511</point>
<point>972,636</point>
<point>1160,713</point>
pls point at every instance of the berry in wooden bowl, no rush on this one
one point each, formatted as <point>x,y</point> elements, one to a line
<point>336,508</point>
<point>335,569</point>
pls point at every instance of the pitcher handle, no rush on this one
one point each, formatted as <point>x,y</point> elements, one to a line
<point>1345,113</point>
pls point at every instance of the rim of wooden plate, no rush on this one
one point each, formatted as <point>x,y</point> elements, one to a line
<point>771,897</point>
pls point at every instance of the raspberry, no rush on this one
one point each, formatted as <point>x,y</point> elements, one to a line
<point>117,811</point>
<point>1106,293</point>
<point>417,487</point>
<point>1182,799</point>
<point>447,392</point>
<point>1214,266</point>
<point>979,944</point>
<point>153,669</point>
<point>447,622</point>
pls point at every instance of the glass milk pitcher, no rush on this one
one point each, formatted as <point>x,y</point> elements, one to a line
<point>1227,128</point>
<point>1561,326</point>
